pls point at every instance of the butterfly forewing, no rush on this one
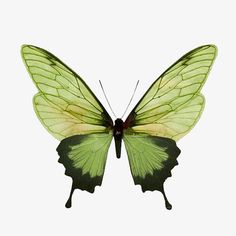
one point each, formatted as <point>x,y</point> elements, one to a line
<point>65,105</point>
<point>84,158</point>
<point>173,104</point>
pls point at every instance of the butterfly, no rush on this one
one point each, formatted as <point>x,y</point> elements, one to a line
<point>71,112</point>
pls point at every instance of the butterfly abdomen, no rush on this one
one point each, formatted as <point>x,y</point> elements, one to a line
<point>118,135</point>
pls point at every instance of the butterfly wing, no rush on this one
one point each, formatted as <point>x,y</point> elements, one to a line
<point>70,111</point>
<point>65,105</point>
<point>167,111</point>
<point>84,157</point>
<point>151,159</point>
<point>173,104</point>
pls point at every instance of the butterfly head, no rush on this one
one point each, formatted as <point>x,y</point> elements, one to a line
<point>118,122</point>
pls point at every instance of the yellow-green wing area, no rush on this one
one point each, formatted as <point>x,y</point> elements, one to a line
<point>84,158</point>
<point>65,105</point>
<point>151,159</point>
<point>173,104</point>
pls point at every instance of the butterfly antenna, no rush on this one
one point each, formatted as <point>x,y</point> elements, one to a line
<point>130,99</point>
<point>107,99</point>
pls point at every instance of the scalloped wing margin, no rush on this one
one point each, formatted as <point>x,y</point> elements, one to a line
<point>84,158</point>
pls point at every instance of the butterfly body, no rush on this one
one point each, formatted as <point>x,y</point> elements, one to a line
<point>71,112</point>
<point>118,135</point>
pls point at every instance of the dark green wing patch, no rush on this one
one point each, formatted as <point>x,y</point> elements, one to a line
<point>155,181</point>
<point>151,160</point>
<point>84,158</point>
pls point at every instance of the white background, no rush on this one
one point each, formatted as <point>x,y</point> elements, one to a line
<point>118,42</point>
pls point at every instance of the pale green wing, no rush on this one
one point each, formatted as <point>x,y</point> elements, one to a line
<point>173,104</point>
<point>84,157</point>
<point>65,105</point>
<point>151,159</point>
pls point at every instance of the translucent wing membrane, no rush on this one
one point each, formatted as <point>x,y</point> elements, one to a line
<point>67,121</point>
<point>151,160</point>
<point>173,104</point>
<point>177,122</point>
<point>84,157</point>
<point>65,105</point>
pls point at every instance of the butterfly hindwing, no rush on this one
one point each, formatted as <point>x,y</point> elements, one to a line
<point>151,159</point>
<point>84,158</point>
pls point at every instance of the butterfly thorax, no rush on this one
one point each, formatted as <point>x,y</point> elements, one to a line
<point>118,135</point>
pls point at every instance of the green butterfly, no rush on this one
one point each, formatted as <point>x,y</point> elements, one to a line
<point>71,112</point>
